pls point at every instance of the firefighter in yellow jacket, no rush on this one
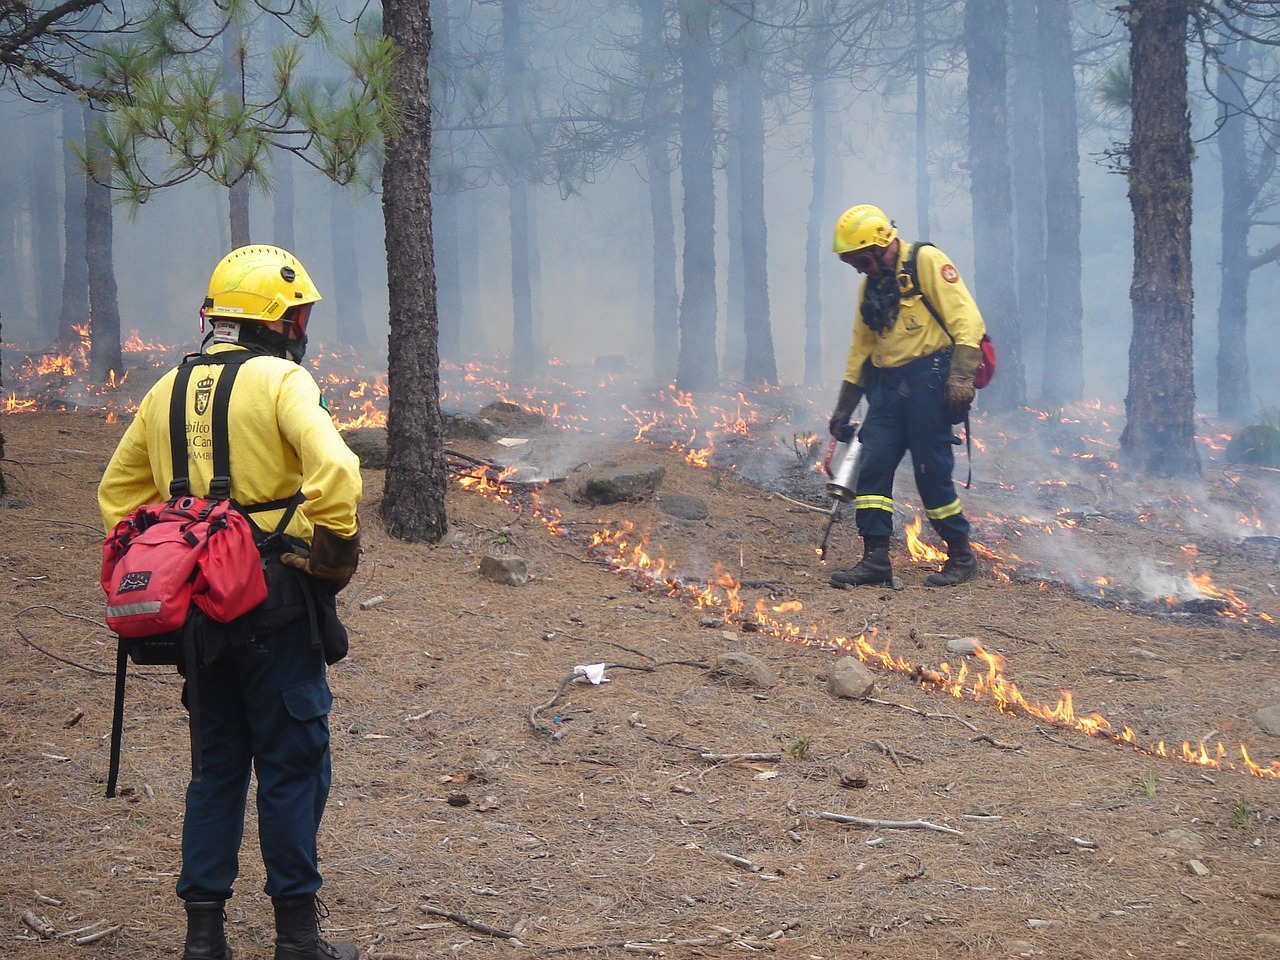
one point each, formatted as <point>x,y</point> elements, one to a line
<point>264,699</point>
<point>916,371</point>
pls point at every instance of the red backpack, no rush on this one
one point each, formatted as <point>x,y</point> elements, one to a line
<point>174,570</point>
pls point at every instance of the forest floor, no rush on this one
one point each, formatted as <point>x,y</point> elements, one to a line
<point>485,803</point>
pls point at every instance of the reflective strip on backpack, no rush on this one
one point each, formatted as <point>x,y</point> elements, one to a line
<point>133,609</point>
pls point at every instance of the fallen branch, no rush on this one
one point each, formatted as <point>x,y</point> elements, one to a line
<point>730,858</point>
<point>987,738</point>
<point>893,754</point>
<point>475,925</point>
<point>546,728</point>
<point>746,757</point>
<point>806,506</point>
<point>95,937</point>
<point>38,925</point>
<point>158,677</point>
<point>921,713</point>
<point>882,824</point>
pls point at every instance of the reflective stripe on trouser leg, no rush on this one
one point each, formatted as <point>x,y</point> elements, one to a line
<point>884,443</point>
<point>933,457</point>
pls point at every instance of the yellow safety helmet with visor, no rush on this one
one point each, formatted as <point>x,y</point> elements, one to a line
<point>861,227</point>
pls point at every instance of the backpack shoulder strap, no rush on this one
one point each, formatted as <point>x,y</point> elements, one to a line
<point>180,485</point>
<point>220,486</point>
<point>913,275</point>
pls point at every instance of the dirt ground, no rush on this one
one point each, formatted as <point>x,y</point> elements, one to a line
<point>484,804</point>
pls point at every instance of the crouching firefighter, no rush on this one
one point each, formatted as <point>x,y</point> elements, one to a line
<point>263,699</point>
<point>913,356</point>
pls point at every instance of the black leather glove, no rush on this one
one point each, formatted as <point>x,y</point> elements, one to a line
<point>850,394</point>
<point>331,558</point>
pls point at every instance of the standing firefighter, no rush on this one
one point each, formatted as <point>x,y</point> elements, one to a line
<point>262,697</point>
<point>916,370</point>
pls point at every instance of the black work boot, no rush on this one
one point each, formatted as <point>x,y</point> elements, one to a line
<point>298,933</point>
<point>961,566</point>
<point>873,570</point>
<point>205,939</point>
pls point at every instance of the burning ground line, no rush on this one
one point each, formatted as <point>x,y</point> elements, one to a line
<point>721,596</point>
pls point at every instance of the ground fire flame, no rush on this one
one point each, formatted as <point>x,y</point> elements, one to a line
<point>628,553</point>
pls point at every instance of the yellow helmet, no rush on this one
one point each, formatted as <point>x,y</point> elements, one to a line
<point>258,282</point>
<point>863,226</point>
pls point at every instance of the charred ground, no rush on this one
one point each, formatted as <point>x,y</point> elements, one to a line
<point>616,834</point>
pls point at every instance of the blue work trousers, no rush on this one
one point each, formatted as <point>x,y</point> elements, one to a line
<point>263,704</point>
<point>907,411</point>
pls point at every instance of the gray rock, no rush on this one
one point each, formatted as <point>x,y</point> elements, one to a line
<point>1268,718</point>
<point>370,445</point>
<point>964,646</point>
<point>620,484</point>
<point>743,668</point>
<point>466,426</point>
<point>686,508</point>
<point>850,679</point>
<point>504,568</point>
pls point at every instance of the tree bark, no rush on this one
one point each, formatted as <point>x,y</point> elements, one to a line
<point>760,365</point>
<point>666,330</point>
<point>105,357</point>
<point>697,368</point>
<point>414,490</point>
<point>985,31</point>
<point>1159,433</point>
<point>1063,379</point>
<point>1239,190</point>
<point>816,227</point>
<point>346,269</point>
<point>75,266</point>
<point>233,55</point>
<point>1028,177</point>
<point>524,352</point>
<point>924,183</point>
<point>46,249</point>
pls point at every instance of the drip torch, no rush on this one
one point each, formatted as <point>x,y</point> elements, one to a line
<point>841,465</point>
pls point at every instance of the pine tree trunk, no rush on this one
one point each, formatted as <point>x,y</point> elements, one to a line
<point>414,489</point>
<point>815,229</point>
<point>346,269</point>
<point>75,268</point>
<point>666,330</point>
<point>1239,190</point>
<point>1028,178</point>
<point>697,368</point>
<point>1063,380</point>
<point>1159,434</point>
<point>105,356</point>
<point>761,365</point>
<point>985,30</point>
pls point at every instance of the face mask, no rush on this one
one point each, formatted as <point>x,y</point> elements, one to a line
<point>880,303</point>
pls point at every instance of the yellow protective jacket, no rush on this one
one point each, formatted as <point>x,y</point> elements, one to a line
<point>915,333</point>
<point>282,440</point>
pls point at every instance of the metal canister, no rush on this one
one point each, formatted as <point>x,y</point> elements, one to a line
<point>841,465</point>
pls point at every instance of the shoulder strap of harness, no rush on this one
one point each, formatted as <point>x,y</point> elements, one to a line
<point>910,271</point>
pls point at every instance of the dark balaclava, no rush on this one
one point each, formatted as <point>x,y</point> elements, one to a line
<point>880,300</point>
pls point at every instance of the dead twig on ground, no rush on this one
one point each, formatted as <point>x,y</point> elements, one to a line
<point>1048,736</point>
<point>806,506</point>
<point>542,727</point>
<point>882,824</point>
<point>747,757</point>
<point>987,738</point>
<point>893,754</point>
<point>158,677</point>
<point>921,713</point>
<point>729,858</point>
<point>470,924</point>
